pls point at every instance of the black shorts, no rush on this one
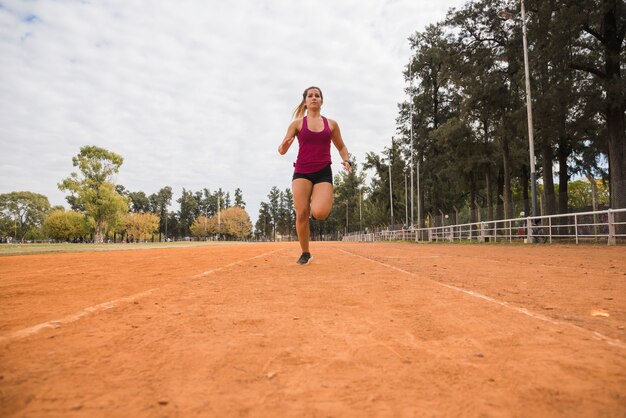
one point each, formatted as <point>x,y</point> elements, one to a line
<point>325,175</point>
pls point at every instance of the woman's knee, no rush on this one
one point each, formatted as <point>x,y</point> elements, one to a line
<point>320,214</point>
<point>302,215</point>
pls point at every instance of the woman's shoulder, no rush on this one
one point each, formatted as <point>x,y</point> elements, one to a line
<point>332,123</point>
<point>296,123</point>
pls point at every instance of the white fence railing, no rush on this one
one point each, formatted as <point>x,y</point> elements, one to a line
<point>607,226</point>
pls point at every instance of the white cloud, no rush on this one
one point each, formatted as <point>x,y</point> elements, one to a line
<point>194,94</point>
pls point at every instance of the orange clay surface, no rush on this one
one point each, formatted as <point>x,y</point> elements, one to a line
<point>384,329</point>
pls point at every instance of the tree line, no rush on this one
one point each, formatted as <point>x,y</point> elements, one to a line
<point>467,108</point>
<point>101,210</point>
<point>462,133</point>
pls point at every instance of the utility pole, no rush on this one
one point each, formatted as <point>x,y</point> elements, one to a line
<point>411,122</point>
<point>390,189</point>
<point>529,106</point>
<point>406,203</point>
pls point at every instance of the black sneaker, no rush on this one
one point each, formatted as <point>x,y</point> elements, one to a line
<point>304,259</point>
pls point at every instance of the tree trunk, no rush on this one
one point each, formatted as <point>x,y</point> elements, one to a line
<point>98,237</point>
<point>506,171</point>
<point>617,157</point>
<point>563,153</point>
<point>546,113</point>
<point>548,179</point>
<point>499,207</point>
<point>525,179</point>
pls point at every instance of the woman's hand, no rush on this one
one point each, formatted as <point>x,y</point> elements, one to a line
<point>346,164</point>
<point>292,131</point>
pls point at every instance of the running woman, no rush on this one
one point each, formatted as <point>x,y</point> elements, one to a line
<point>312,182</point>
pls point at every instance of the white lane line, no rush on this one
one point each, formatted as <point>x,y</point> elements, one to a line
<point>206,273</point>
<point>596,335</point>
<point>74,317</point>
<point>108,305</point>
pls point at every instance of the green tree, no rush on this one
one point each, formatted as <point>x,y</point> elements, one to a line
<point>435,100</point>
<point>159,203</point>
<point>263,226</point>
<point>599,50</point>
<point>582,195</point>
<point>187,213</point>
<point>239,198</point>
<point>286,221</point>
<point>92,188</point>
<point>65,226</point>
<point>347,199</point>
<point>274,209</point>
<point>24,212</point>
<point>139,202</point>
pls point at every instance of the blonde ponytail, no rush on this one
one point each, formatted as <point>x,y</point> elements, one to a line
<point>301,108</point>
<point>299,111</point>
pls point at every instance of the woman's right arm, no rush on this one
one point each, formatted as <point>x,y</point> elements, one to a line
<point>292,131</point>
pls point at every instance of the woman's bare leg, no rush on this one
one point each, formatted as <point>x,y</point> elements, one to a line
<point>302,189</point>
<point>321,200</point>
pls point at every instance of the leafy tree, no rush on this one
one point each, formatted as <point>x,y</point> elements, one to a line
<point>65,226</point>
<point>286,220</point>
<point>236,223</point>
<point>206,204</point>
<point>274,209</point>
<point>378,203</point>
<point>203,226</point>
<point>139,202</point>
<point>93,191</point>
<point>187,213</point>
<point>159,203</point>
<point>582,195</point>
<point>141,225</point>
<point>7,228</point>
<point>347,199</point>
<point>599,50</point>
<point>24,212</point>
<point>239,198</point>
<point>263,226</point>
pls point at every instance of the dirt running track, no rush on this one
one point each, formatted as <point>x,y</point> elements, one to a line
<point>366,330</point>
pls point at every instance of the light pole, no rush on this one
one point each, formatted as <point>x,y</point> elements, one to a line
<point>529,107</point>
<point>406,202</point>
<point>419,211</point>
<point>411,122</point>
<point>390,190</point>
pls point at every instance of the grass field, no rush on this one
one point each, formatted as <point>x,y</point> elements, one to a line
<point>380,329</point>
<point>23,249</point>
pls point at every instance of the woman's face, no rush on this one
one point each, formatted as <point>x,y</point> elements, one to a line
<point>313,99</point>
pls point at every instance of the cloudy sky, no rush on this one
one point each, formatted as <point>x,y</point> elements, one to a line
<point>194,93</point>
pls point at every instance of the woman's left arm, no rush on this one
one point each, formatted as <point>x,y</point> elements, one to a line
<point>339,144</point>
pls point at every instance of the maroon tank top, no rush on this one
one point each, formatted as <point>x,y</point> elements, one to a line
<point>313,148</point>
